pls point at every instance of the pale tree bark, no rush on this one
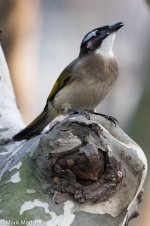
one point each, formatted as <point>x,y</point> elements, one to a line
<point>83,171</point>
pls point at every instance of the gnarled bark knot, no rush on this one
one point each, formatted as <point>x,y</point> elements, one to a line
<point>76,160</point>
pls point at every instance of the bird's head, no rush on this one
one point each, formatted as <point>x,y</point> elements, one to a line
<point>100,40</point>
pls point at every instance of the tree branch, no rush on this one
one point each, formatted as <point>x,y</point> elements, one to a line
<point>10,119</point>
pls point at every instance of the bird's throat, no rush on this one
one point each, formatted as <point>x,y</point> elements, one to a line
<point>106,48</point>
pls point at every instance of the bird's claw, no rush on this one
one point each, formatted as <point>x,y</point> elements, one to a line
<point>109,118</point>
<point>113,120</point>
<point>87,112</point>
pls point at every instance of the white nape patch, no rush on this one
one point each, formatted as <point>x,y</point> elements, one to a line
<point>65,219</point>
<point>30,191</point>
<point>17,166</point>
<point>90,35</point>
<point>15,178</point>
<point>107,46</point>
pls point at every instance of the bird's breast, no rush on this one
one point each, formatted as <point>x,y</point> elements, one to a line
<point>91,81</point>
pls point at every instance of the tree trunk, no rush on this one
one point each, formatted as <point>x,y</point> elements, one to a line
<point>83,171</point>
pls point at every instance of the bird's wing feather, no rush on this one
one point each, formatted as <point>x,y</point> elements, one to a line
<point>62,80</point>
<point>59,84</point>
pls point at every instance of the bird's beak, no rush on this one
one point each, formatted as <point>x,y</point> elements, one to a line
<point>115,27</point>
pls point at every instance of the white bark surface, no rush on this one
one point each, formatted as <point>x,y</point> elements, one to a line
<point>10,117</point>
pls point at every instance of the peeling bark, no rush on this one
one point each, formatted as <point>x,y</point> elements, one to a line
<point>83,171</point>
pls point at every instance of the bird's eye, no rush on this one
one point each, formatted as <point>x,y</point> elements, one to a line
<point>98,32</point>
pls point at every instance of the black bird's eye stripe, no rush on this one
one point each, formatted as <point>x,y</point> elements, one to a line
<point>98,32</point>
<point>95,32</point>
<point>93,39</point>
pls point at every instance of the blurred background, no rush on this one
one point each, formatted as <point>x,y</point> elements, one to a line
<point>40,37</point>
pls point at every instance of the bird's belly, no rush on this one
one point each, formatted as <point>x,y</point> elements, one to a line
<point>81,95</point>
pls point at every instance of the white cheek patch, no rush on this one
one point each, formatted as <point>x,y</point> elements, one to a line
<point>107,45</point>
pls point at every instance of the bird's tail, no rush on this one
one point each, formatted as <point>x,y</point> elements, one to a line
<point>34,128</point>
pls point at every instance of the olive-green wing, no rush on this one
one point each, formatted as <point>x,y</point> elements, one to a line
<point>59,84</point>
<point>62,80</point>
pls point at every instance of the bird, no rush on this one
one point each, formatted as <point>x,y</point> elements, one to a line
<point>84,83</point>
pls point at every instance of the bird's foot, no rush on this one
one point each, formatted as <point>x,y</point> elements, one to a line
<point>80,112</point>
<point>108,117</point>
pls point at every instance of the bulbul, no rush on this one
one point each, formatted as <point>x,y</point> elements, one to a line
<point>84,83</point>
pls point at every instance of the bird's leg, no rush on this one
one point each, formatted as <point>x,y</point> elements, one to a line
<point>79,112</point>
<point>108,117</point>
